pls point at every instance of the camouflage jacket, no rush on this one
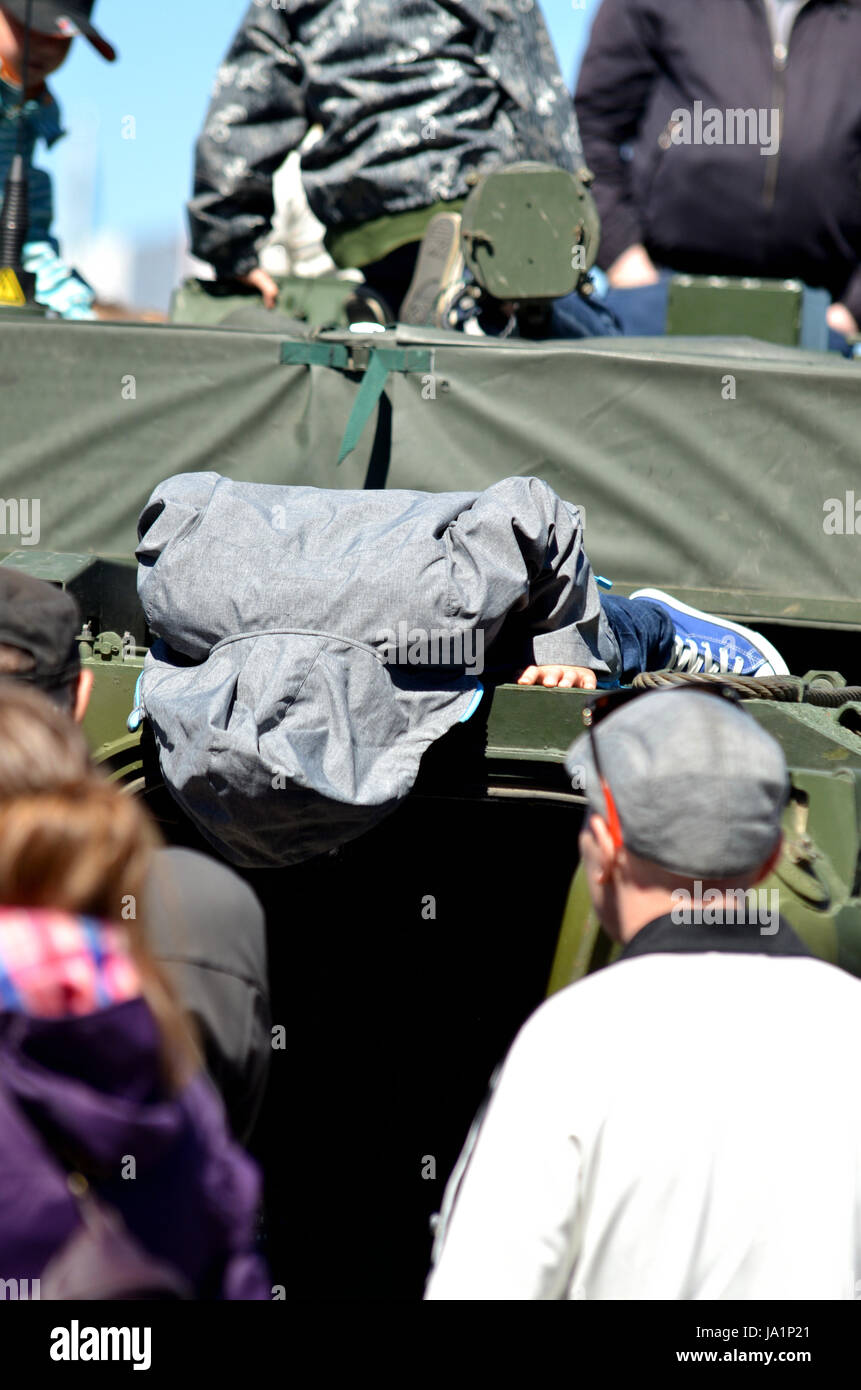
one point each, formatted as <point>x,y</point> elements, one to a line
<point>412,96</point>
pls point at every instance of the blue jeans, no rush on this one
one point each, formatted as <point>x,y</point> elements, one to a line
<point>644,633</point>
<point>576,316</point>
<point>642,311</point>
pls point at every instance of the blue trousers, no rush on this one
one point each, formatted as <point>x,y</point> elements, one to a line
<point>576,316</point>
<point>644,633</point>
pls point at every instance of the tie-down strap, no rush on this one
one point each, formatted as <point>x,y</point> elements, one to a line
<point>375,362</point>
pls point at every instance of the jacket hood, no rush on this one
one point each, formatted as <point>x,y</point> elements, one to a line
<point>91,1084</point>
<point>82,1088</point>
<point>86,1093</point>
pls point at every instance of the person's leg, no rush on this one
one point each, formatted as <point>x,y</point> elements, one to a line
<point>837,343</point>
<point>656,632</point>
<point>578,316</point>
<point>641,311</point>
<point>644,633</point>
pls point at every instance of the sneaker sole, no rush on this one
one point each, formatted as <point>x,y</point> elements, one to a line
<point>438,259</point>
<point>770,653</point>
<point>368,307</point>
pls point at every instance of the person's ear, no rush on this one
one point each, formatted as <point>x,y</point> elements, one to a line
<point>83,691</point>
<point>606,849</point>
<point>771,861</point>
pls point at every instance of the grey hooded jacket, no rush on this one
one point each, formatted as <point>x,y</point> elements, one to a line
<point>412,96</point>
<point>288,712</point>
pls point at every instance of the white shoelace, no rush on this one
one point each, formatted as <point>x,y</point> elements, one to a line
<point>690,657</point>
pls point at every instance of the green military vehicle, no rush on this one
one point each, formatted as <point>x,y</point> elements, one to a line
<point>722,468</point>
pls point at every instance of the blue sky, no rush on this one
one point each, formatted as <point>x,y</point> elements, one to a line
<point>169,51</point>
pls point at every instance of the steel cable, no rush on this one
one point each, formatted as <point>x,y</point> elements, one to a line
<point>789,689</point>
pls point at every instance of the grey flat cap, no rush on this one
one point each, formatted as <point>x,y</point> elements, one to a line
<point>698,785</point>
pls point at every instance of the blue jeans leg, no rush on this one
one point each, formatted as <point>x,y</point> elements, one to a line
<point>642,311</point>
<point>579,316</point>
<point>644,633</point>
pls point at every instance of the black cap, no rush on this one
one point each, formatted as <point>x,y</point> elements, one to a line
<point>43,620</point>
<point>62,21</point>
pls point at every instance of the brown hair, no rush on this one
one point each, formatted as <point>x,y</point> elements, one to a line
<point>72,840</point>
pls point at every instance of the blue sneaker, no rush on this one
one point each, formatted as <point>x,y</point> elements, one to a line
<point>715,645</point>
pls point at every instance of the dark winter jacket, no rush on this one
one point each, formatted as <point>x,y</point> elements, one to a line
<point>90,1087</point>
<point>412,95</point>
<point>726,208</point>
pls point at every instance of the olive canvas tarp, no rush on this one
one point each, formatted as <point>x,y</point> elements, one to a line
<point>724,469</point>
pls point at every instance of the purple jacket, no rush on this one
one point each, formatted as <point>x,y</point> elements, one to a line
<point>92,1084</point>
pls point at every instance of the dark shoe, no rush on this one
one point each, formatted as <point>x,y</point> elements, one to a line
<point>438,276</point>
<point>366,306</point>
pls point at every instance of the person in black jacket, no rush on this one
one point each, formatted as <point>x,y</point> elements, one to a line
<point>725,138</point>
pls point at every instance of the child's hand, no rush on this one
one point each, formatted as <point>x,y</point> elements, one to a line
<point>260,279</point>
<point>563,677</point>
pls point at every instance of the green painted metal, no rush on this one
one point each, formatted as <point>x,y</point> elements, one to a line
<point>11,311</point>
<point>359,355</point>
<point>766,309</point>
<point>110,705</point>
<point>47,564</point>
<point>534,723</point>
<point>317,354</point>
<point>316,301</point>
<point>582,946</point>
<point>530,232</point>
<point>838,614</point>
<point>104,588</point>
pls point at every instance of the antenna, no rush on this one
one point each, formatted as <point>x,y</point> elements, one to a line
<point>15,216</point>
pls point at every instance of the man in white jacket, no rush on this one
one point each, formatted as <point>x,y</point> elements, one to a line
<point>684,1124</point>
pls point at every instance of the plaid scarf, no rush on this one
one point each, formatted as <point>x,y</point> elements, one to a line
<point>57,965</point>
